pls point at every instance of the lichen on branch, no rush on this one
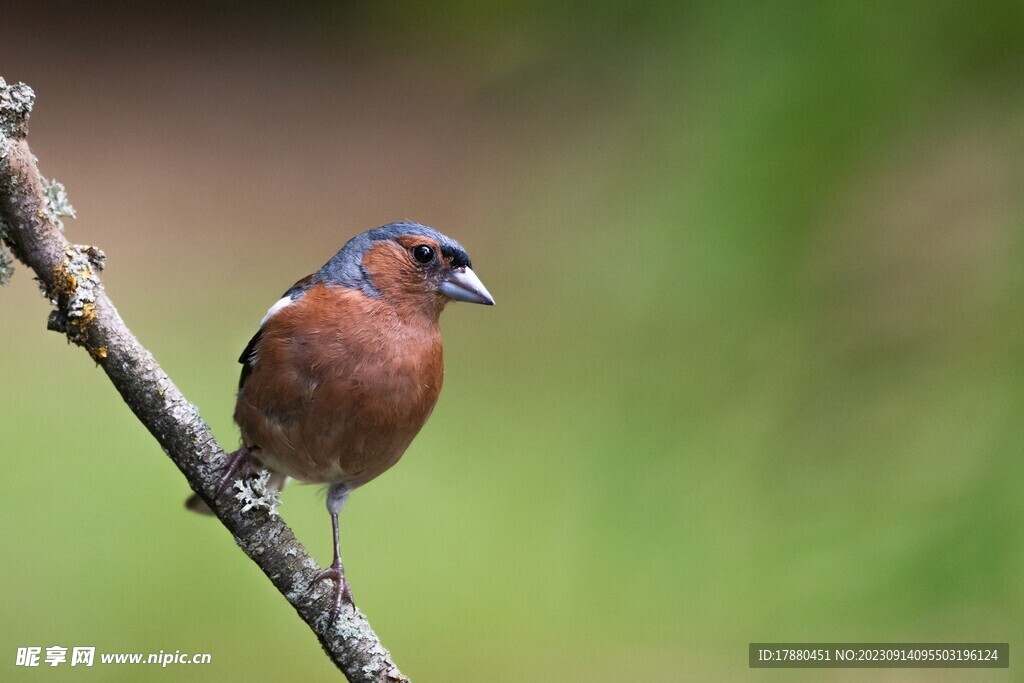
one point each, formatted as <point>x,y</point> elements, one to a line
<point>6,261</point>
<point>256,494</point>
<point>16,102</point>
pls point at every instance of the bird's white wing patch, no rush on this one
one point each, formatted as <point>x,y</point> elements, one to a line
<point>282,303</point>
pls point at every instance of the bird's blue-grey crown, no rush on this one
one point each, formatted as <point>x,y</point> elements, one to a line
<point>346,267</point>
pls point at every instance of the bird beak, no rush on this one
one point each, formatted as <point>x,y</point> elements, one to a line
<point>463,285</point>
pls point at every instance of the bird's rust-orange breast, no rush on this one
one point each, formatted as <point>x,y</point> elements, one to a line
<point>341,384</point>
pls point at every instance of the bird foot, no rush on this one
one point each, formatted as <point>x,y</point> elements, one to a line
<point>342,592</point>
<point>239,461</point>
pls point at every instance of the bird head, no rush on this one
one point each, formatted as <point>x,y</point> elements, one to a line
<point>409,265</point>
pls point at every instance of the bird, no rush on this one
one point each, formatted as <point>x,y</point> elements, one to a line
<point>347,366</point>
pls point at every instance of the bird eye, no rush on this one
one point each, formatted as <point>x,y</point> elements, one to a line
<point>423,253</point>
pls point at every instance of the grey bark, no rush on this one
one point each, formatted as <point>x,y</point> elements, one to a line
<point>69,275</point>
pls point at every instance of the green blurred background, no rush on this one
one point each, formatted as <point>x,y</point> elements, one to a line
<point>755,372</point>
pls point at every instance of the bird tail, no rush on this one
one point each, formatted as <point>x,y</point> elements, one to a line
<point>197,504</point>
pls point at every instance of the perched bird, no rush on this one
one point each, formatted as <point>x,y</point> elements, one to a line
<point>346,367</point>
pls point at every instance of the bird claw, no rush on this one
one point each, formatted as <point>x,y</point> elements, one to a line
<point>238,461</point>
<point>342,592</point>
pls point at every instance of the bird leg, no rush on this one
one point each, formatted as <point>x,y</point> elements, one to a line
<point>336,497</point>
<point>240,459</point>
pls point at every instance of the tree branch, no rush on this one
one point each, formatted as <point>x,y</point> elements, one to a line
<point>69,276</point>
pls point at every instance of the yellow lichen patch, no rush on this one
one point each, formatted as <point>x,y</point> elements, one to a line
<point>73,290</point>
<point>99,353</point>
<point>63,281</point>
<point>88,315</point>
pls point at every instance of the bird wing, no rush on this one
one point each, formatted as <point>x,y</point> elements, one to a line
<point>248,357</point>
